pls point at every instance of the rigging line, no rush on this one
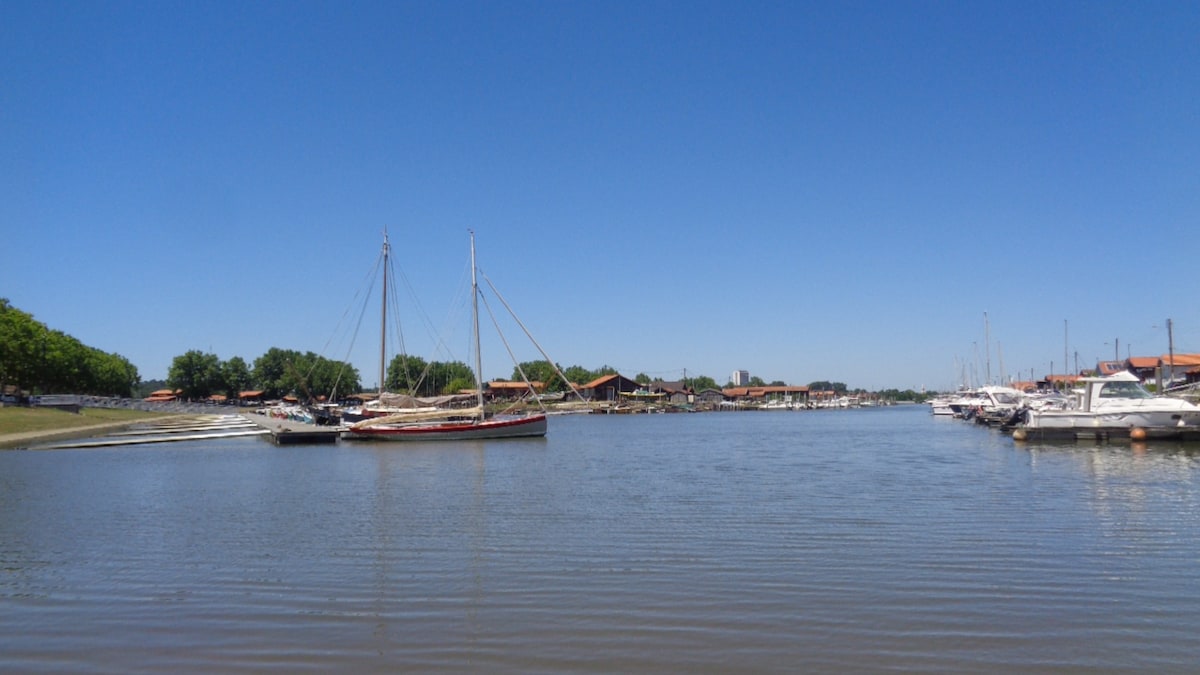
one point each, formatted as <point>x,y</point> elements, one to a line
<point>530,336</point>
<point>364,290</point>
<point>398,333</point>
<point>419,309</point>
<point>512,356</point>
<point>366,285</point>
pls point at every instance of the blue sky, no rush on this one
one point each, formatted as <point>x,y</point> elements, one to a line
<point>808,191</point>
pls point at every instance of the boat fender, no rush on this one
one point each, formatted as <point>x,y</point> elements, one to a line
<point>1137,434</point>
<point>1019,434</point>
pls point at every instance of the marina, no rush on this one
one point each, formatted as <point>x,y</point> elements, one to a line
<point>862,540</point>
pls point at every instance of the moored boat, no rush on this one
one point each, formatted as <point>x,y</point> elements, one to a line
<point>448,423</point>
<point>1114,404</point>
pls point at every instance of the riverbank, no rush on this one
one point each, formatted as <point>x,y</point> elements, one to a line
<point>23,427</point>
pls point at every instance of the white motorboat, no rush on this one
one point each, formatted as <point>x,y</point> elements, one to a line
<point>1117,402</point>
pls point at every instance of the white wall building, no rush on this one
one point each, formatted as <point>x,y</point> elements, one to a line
<point>740,378</point>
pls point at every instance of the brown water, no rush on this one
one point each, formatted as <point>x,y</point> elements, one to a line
<point>861,540</point>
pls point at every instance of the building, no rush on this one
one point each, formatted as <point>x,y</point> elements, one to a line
<point>608,388</point>
<point>740,378</point>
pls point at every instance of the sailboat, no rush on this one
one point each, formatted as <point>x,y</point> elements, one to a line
<point>451,424</point>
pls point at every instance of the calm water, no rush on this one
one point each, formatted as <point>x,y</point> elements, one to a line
<point>861,540</point>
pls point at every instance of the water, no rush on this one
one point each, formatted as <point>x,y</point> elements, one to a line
<point>860,540</point>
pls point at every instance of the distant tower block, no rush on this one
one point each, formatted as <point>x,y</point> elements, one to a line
<point>741,378</point>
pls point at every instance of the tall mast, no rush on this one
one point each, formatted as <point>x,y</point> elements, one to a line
<point>475,326</point>
<point>383,315</point>
<point>987,347</point>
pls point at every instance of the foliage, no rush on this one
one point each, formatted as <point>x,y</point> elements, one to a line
<point>539,371</point>
<point>235,377</point>
<point>280,372</point>
<point>823,385</point>
<point>147,387</point>
<point>195,374</point>
<point>701,383</point>
<point>40,360</point>
<point>906,395</point>
<point>414,375</point>
<point>756,381</point>
<point>578,375</point>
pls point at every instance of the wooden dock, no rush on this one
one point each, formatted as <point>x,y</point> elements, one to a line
<point>290,432</point>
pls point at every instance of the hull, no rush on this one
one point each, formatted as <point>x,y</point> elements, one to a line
<point>521,427</point>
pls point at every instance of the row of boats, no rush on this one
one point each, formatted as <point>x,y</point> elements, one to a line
<point>1117,406</point>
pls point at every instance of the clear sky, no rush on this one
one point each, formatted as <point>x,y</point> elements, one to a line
<point>808,191</point>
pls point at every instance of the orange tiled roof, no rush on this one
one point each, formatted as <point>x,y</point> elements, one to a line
<point>502,384</point>
<point>600,380</point>
<point>762,391</point>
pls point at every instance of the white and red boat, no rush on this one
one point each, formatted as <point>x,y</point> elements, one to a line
<point>449,423</point>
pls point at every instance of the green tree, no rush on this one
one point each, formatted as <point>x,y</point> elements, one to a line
<point>404,373</point>
<point>539,371</point>
<point>274,372</point>
<point>756,381</point>
<point>823,385</point>
<point>447,378</point>
<point>196,374</point>
<point>701,383</point>
<point>41,360</point>
<point>579,375</point>
<point>235,377</point>
<point>459,384</point>
<point>331,379</point>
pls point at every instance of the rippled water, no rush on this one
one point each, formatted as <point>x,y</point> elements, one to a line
<point>859,540</point>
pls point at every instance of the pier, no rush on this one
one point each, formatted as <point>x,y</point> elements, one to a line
<point>284,431</point>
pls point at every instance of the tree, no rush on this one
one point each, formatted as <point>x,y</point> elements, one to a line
<point>539,371</point>
<point>701,383</point>
<point>756,381</point>
<point>328,378</point>
<point>195,374</point>
<point>273,372</point>
<point>38,359</point>
<point>447,378</point>
<point>235,377</point>
<point>579,375</point>
<point>404,373</point>
<point>823,385</point>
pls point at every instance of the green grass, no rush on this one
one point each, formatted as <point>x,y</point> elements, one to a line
<point>15,420</point>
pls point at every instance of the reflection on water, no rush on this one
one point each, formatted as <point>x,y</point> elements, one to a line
<point>825,540</point>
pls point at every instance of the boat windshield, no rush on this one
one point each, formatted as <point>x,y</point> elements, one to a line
<point>1124,390</point>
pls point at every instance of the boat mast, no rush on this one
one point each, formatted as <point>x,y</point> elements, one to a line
<point>475,328</point>
<point>383,315</point>
<point>987,348</point>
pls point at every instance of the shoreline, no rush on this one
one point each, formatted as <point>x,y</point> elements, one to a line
<point>28,440</point>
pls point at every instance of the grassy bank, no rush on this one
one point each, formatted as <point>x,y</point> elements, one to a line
<point>15,420</point>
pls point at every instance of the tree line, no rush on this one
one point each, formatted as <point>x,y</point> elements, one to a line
<point>39,360</point>
<point>278,372</point>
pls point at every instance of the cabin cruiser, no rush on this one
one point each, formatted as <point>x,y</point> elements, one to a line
<point>1116,402</point>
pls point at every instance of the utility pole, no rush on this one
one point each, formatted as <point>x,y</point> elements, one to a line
<point>1065,348</point>
<point>1171,351</point>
